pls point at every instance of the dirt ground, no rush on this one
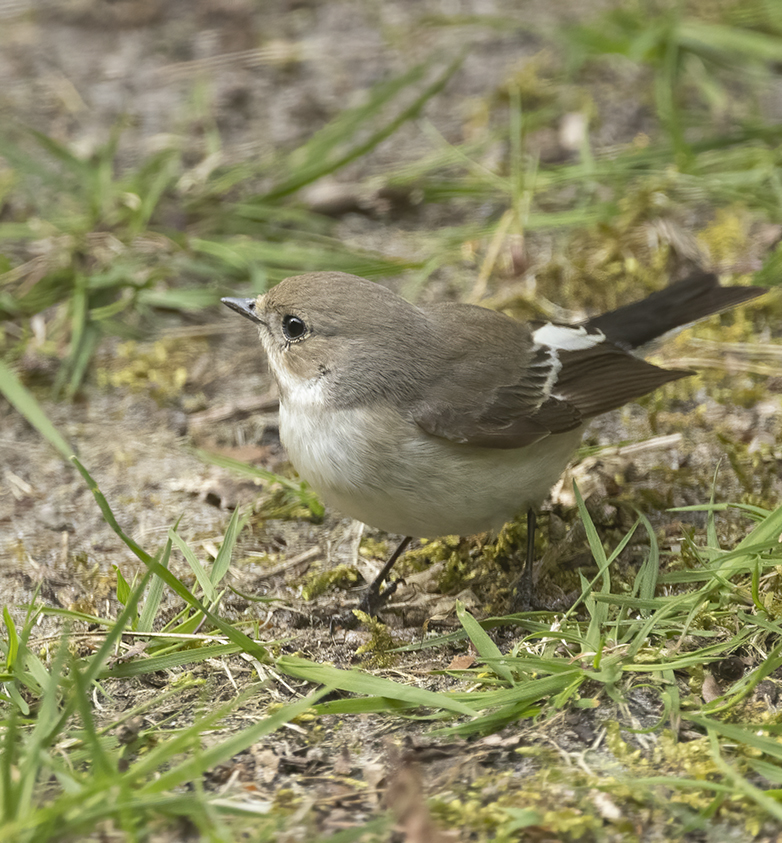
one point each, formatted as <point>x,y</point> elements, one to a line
<point>72,70</point>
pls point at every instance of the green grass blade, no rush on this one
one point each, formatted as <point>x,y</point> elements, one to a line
<point>223,559</point>
<point>486,648</point>
<point>153,566</point>
<point>513,703</point>
<point>595,545</point>
<point>75,165</point>
<point>25,403</point>
<point>357,682</point>
<point>766,532</point>
<point>195,766</point>
<point>748,683</point>
<point>13,639</point>
<point>741,785</point>
<point>598,611</point>
<point>148,614</point>
<point>47,725</point>
<point>81,693</point>
<point>190,655</point>
<point>198,569</point>
<point>317,154</point>
<point>299,489</point>
<point>646,581</point>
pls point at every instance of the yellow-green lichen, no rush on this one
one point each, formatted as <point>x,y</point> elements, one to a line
<point>378,649</point>
<point>319,582</point>
<point>725,238</point>
<point>160,368</point>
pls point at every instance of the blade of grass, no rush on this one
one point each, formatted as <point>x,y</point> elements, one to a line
<point>153,566</point>
<point>223,559</point>
<point>25,403</point>
<point>300,490</point>
<point>317,153</point>
<point>513,703</point>
<point>168,661</point>
<point>81,694</point>
<point>198,569</point>
<point>148,614</point>
<point>47,724</point>
<point>598,612</point>
<point>646,580</point>
<point>770,805</point>
<point>486,648</point>
<point>194,767</point>
<point>747,684</point>
<point>357,682</point>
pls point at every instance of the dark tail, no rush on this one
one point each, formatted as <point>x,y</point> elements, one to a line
<point>687,301</point>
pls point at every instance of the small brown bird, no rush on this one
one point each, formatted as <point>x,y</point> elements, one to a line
<point>450,418</point>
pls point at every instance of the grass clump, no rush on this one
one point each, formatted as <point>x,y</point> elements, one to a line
<point>114,245</point>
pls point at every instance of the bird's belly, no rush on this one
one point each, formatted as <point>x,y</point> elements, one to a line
<point>379,468</point>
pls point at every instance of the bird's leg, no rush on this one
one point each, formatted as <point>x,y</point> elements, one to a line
<point>375,598</point>
<point>521,594</point>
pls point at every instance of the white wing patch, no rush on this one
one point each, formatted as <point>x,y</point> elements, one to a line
<point>566,338</point>
<point>552,366</point>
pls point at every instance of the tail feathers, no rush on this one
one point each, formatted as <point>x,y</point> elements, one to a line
<point>687,301</point>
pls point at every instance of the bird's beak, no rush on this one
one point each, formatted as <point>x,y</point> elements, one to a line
<point>244,306</point>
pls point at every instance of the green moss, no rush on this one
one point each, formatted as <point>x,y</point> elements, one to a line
<point>461,563</point>
<point>287,505</point>
<point>726,237</point>
<point>559,805</point>
<point>622,751</point>
<point>378,649</point>
<point>160,368</point>
<point>567,802</point>
<point>286,800</point>
<point>373,548</point>
<point>469,812</point>
<point>319,582</point>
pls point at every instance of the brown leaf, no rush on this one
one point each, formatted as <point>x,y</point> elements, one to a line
<point>710,689</point>
<point>462,662</point>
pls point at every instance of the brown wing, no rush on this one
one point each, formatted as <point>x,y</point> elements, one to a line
<point>553,378</point>
<point>558,392</point>
<point>606,377</point>
<point>500,415</point>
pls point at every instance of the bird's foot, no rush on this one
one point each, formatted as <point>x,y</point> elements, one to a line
<point>372,602</point>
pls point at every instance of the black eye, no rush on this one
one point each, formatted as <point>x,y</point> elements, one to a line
<point>293,328</point>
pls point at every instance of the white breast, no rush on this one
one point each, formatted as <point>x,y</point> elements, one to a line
<point>380,468</point>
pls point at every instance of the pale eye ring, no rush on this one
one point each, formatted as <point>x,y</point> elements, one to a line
<point>293,328</point>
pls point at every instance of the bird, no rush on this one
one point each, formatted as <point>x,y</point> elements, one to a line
<point>449,418</point>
